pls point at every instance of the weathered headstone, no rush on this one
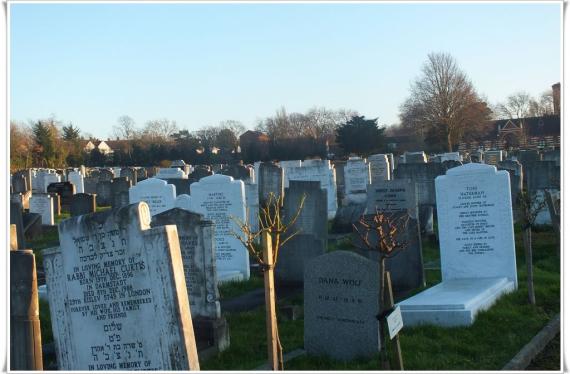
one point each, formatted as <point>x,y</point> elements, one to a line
<point>182,185</point>
<point>312,219</point>
<point>493,157</point>
<point>379,167</point>
<point>90,184</point>
<point>271,180</point>
<point>158,194</point>
<point>341,292</point>
<point>120,192</point>
<point>294,255</point>
<point>65,190</point>
<point>19,183</point>
<point>105,175</point>
<point>415,157</point>
<point>43,205</point>
<point>104,193</point>
<point>237,171</point>
<point>57,203</point>
<point>16,219</point>
<point>25,332</point>
<point>317,171</point>
<point>32,225</point>
<point>252,204</point>
<point>392,196</point>
<point>476,236</point>
<point>222,199</point>
<point>27,174</point>
<point>117,294</point>
<point>83,203</point>
<point>200,172</point>
<point>196,236</point>
<point>356,179</point>
<point>76,178</point>
<point>339,172</point>
<point>130,173</point>
<point>516,176</point>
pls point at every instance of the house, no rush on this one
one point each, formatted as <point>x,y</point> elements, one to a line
<point>254,145</point>
<point>106,147</point>
<point>523,133</point>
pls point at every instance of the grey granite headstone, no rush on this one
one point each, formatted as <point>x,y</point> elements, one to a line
<point>90,184</point>
<point>392,195</point>
<point>117,294</point>
<point>120,192</point>
<point>19,183</point>
<point>182,185</point>
<point>406,267</point>
<point>106,175</point>
<point>65,190</point>
<point>83,203</point>
<point>294,255</point>
<point>541,175</point>
<point>200,171</point>
<point>104,193</point>
<point>347,215</point>
<point>312,218</point>
<point>341,293</point>
<point>515,170</point>
<point>237,171</point>
<point>131,174</point>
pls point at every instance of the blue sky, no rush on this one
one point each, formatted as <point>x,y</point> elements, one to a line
<point>199,64</point>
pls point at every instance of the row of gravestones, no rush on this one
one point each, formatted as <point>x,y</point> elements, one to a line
<point>115,271</point>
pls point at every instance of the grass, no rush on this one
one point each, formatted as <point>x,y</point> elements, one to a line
<point>496,336</point>
<point>232,289</point>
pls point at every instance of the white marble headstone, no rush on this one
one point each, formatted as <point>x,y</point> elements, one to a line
<point>317,172</point>
<point>76,178</point>
<point>174,173</point>
<point>219,198</point>
<point>158,194</point>
<point>379,167</point>
<point>43,205</point>
<point>356,179</point>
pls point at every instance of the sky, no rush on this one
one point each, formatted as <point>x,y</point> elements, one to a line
<point>199,64</point>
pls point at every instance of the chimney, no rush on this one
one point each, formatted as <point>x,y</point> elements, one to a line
<point>556,97</point>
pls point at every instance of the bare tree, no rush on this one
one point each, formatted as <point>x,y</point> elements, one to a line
<point>442,100</point>
<point>160,130</point>
<point>517,106</point>
<point>273,231</point>
<point>125,128</point>
<point>543,106</point>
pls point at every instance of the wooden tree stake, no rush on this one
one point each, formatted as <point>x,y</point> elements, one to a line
<point>389,304</point>
<point>273,346</point>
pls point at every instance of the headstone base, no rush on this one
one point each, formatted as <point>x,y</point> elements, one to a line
<point>212,336</point>
<point>454,302</point>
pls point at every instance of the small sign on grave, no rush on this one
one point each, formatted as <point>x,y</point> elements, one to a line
<point>395,322</point>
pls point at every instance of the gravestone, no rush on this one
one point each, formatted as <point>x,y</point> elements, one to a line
<point>347,215</point>
<point>252,205</point>
<point>312,219</point>
<point>151,171</point>
<point>25,331</point>
<point>356,179</point>
<point>131,174</point>
<point>542,174</point>
<point>45,179</point>
<point>493,157</point>
<point>317,171</point>
<point>43,205</point>
<point>27,174</point>
<point>552,155</point>
<point>196,237</point>
<point>65,190</point>
<point>76,178</point>
<point>90,184</point>
<point>182,186</point>
<point>183,202</point>
<point>379,167</point>
<point>406,267</point>
<point>83,203</point>
<point>221,199</point>
<point>106,175</point>
<point>158,194</point>
<point>117,294</point>
<point>57,203</point>
<point>339,172</point>
<point>271,180</point>
<point>170,173</point>
<point>516,177</point>
<point>294,255</point>
<point>477,248</point>
<point>200,172</point>
<point>104,193</point>
<point>32,226</point>
<point>392,196</point>
<point>415,157</point>
<point>19,183</point>
<point>16,219</point>
<point>451,156</point>
<point>120,192</point>
<point>341,292</point>
<point>237,171</point>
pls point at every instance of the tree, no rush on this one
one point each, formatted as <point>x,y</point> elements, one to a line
<point>21,146</point>
<point>442,101</point>
<point>543,106</point>
<point>361,136</point>
<point>45,137</point>
<point>273,231</point>
<point>226,141</point>
<point>70,133</point>
<point>159,130</point>
<point>517,106</point>
<point>125,128</point>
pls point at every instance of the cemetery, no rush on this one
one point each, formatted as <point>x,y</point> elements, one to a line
<point>248,271</point>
